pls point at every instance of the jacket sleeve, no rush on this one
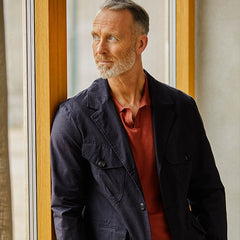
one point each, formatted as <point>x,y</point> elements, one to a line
<point>207,194</point>
<point>68,175</point>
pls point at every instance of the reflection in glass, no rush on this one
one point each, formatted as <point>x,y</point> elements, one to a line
<point>14,39</point>
<point>81,66</point>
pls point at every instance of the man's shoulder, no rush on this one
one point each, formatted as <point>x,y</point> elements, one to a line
<point>166,93</point>
<point>81,100</point>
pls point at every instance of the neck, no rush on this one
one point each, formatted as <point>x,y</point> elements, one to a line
<point>128,88</point>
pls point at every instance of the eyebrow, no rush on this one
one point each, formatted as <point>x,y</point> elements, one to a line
<point>113,33</point>
<point>93,33</point>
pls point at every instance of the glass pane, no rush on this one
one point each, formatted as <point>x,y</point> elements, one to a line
<point>81,66</point>
<point>16,81</point>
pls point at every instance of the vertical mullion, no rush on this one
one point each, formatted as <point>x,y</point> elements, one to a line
<point>51,89</point>
<point>185,46</point>
<point>31,120</point>
<point>172,43</point>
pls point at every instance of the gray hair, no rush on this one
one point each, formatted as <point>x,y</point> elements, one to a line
<point>139,14</point>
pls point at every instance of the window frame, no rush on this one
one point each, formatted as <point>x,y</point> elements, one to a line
<point>51,85</point>
<point>51,89</point>
<point>185,46</point>
<point>31,119</point>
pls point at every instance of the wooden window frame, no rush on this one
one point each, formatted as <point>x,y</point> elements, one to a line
<point>51,89</point>
<point>51,84</point>
<point>185,46</point>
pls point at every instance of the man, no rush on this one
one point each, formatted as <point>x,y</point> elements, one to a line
<point>130,158</point>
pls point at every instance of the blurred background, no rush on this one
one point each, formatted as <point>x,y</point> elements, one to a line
<point>15,42</point>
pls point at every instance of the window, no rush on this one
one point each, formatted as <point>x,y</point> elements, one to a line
<point>51,78</point>
<point>15,39</point>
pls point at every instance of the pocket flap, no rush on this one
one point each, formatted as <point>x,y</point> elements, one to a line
<point>101,156</point>
<point>175,155</point>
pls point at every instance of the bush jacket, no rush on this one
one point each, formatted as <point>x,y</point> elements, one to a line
<point>96,192</point>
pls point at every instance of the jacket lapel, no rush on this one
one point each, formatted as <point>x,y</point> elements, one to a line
<point>163,115</point>
<point>109,124</point>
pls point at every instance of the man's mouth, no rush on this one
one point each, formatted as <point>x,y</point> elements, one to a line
<point>104,62</point>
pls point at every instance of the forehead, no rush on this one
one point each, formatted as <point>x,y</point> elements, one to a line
<point>115,20</point>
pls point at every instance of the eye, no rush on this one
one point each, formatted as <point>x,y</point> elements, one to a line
<point>95,37</point>
<point>112,38</point>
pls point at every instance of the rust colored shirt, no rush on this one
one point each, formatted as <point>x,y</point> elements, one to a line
<point>140,136</point>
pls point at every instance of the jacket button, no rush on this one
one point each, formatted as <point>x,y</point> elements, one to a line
<point>187,157</point>
<point>101,164</point>
<point>142,206</point>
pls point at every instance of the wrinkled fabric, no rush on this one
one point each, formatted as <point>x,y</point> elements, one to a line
<point>96,191</point>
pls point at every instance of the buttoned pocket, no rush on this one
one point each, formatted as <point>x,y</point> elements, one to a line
<point>101,156</point>
<point>178,167</point>
<point>180,147</point>
<point>179,157</point>
<point>107,170</point>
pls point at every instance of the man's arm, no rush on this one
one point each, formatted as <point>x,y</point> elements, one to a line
<point>207,195</point>
<point>68,178</point>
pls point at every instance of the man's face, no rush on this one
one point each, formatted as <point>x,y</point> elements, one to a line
<point>113,42</point>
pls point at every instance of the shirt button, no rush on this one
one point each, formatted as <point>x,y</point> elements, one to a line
<point>142,206</point>
<point>101,164</point>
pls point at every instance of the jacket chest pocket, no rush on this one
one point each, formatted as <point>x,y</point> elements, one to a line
<point>178,165</point>
<point>107,170</point>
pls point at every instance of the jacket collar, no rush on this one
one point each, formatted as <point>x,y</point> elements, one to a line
<point>99,93</point>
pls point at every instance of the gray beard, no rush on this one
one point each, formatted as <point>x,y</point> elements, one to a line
<point>119,67</point>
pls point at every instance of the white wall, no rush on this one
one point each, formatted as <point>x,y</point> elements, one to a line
<point>218,93</point>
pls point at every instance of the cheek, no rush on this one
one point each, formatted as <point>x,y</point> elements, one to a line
<point>94,49</point>
<point>119,52</point>
<point>124,52</point>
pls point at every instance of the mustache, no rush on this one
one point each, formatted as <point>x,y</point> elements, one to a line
<point>103,58</point>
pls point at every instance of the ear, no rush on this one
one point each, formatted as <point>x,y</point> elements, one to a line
<point>142,41</point>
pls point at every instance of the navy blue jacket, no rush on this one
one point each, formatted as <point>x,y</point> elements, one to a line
<point>96,192</point>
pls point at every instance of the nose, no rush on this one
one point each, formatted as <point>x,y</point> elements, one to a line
<point>101,47</point>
